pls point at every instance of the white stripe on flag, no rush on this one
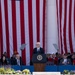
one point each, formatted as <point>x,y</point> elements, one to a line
<point>3,26</point>
<point>41,22</point>
<point>62,24</point>
<point>67,26</point>
<point>18,26</point>
<point>10,27</point>
<point>59,27</point>
<point>26,32</point>
<point>34,23</point>
<point>72,25</point>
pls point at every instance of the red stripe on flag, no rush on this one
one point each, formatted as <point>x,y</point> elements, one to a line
<point>74,18</point>
<point>0,44</point>
<point>30,27</point>
<point>14,26</point>
<point>64,31</point>
<point>44,4</point>
<point>38,20</point>
<point>0,28</point>
<point>70,36</point>
<point>1,35</point>
<point>22,30</point>
<point>6,26</point>
<point>60,10</point>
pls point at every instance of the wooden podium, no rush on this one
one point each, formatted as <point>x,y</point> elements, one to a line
<point>39,62</point>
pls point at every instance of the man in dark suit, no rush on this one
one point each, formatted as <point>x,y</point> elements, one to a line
<point>65,61</point>
<point>16,59</point>
<point>38,49</point>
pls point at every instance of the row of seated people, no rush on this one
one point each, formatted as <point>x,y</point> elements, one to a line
<point>14,60</point>
<point>52,59</point>
<point>61,59</point>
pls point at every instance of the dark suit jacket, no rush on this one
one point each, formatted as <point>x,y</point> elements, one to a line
<point>41,51</point>
<point>14,61</point>
<point>3,63</point>
<point>68,62</point>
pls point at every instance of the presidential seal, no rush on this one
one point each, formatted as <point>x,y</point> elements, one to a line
<point>39,57</point>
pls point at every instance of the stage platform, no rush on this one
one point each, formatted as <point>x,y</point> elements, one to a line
<point>51,68</point>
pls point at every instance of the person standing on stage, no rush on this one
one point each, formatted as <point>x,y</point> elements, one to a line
<point>38,49</point>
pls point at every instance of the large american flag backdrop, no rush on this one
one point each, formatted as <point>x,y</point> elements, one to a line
<point>22,22</point>
<point>66,25</point>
